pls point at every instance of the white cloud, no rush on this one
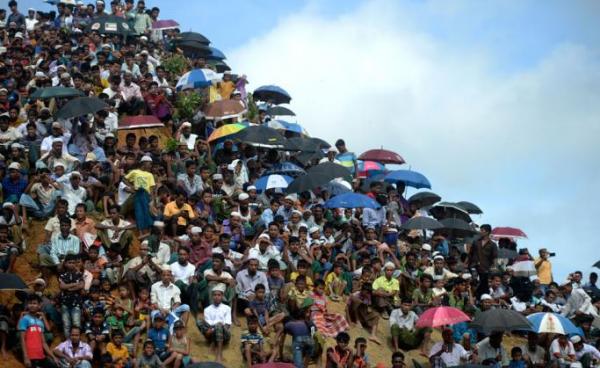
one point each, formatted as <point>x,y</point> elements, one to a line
<point>514,143</point>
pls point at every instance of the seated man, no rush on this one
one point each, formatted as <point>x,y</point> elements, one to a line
<point>178,213</point>
<point>447,351</point>
<point>385,290</point>
<point>491,348</point>
<point>53,225</point>
<point>115,230</point>
<point>74,352</point>
<point>40,195</point>
<point>217,322</point>
<point>52,256</point>
<point>141,271</point>
<point>359,309</point>
<point>216,276</point>
<point>165,298</point>
<point>405,335</point>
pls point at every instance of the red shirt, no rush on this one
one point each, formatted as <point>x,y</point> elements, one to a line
<point>33,328</point>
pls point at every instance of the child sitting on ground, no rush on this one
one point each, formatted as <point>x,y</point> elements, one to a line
<point>339,355</point>
<point>148,358</point>
<point>302,270</point>
<point>117,350</point>
<point>259,307</point>
<point>360,358</point>
<point>252,344</point>
<point>179,347</point>
<point>334,285</point>
<point>297,294</point>
<point>159,334</point>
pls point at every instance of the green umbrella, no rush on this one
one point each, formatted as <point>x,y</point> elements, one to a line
<point>81,106</point>
<point>55,92</point>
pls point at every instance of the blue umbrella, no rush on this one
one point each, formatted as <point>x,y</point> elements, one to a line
<point>273,181</point>
<point>552,323</point>
<point>351,200</point>
<point>336,188</point>
<point>286,168</point>
<point>197,78</point>
<point>287,126</point>
<point>409,178</point>
<point>216,54</point>
<point>272,93</point>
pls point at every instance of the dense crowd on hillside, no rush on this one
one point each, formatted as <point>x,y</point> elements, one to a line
<point>159,220</point>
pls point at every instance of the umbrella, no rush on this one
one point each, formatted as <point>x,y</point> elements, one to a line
<point>192,36</point>
<point>421,223</point>
<point>260,135</point>
<point>165,24</point>
<point>597,264</point>
<point>55,92</point>
<point>216,54</point>
<point>224,109</point>
<point>500,320</point>
<point>110,24</point>
<point>11,281</point>
<point>424,199</point>
<point>81,106</point>
<point>287,126</point>
<point>337,187</point>
<point>444,210</point>
<point>140,121</point>
<point>383,156</point>
<point>286,168</point>
<point>351,200</point>
<point>469,207</point>
<point>409,178</point>
<point>194,48</point>
<point>309,144</point>
<point>280,111</point>
<point>272,93</point>
<point>524,268</point>
<point>369,168</point>
<point>273,181</point>
<point>441,316</point>
<point>206,365</point>
<point>197,78</point>
<point>457,227</point>
<point>552,323</point>
<point>219,65</point>
<point>225,131</point>
<point>317,176</point>
<point>508,232</point>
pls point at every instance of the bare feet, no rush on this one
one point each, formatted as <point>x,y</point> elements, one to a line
<point>375,340</point>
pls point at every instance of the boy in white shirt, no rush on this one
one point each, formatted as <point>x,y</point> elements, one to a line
<point>216,324</point>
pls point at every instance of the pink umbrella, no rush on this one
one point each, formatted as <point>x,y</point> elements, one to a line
<point>165,24</point>
<point>508,232</point>
<point>441,316</point>
<point>369,168</point>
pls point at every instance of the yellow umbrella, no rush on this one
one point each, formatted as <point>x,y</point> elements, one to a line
<point>225,130</point>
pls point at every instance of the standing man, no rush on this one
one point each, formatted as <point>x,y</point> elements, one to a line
<point>483,257</point>
<point>346,159</point>
<point>15,16</point>
<point>141,183</point>
<point>31,327</point>
<point>544,269</point>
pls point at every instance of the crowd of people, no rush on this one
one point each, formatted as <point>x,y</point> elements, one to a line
<point>143,243</point>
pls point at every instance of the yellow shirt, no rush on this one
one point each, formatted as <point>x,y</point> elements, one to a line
<point>330,278</point>
<point>171,209</point>
<point>141,179</point>
<point>385,284</point>
<point>309,283</point>
<point>117,353</point>
<point>226,89</point>
<point>544,271</point>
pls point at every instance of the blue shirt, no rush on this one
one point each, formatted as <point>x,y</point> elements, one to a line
<point>159,337</point>
<point>10,188</point>
<point>347,159</point>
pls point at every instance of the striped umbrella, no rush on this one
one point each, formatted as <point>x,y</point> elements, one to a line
<point>225,131</point>
<point>272,182</point>
<point>366,169</point>
<point>287,126</point>
<point>197,78</point>
<point>552,323</point>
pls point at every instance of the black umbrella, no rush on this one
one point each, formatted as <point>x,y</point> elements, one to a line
<point>194,46</point>
<point>110,24</point>
<point>445,210</point>
<point>317,176</point>
<point>81,106</point>
<point>11,281</point>
<point>280,111</point>
<point>272,93</point>
<point>500,320</point>
<point>192,36</point>
<point>206,365</point>
<point>469,207</point>
<point>457,227</point>
<point>597,264</point>
<point>421,223</point>
<point>260,135</point>
<point>424,199</point>
<point>55,92</point>
<point>305,144</point>
<point>220,65</point>
<point>306,157</point>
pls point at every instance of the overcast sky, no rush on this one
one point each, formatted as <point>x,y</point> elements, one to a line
<point>496,102</point>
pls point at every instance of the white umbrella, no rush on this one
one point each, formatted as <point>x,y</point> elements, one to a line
<point>524,269</point>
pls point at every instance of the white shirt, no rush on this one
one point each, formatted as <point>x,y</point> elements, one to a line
<point>451,358</point>
<point>165,296</point>
<point>122,194</point>
<point>182,273</point>
<point>163,254</point>
<point>231,254</point>
<point>580,301</point>
<point>263,258</point>
<point>487,351</point>
<point>564,352</point>
<point>30,23</point>
<point>214,314</point>
<point>47,143</point>
<point>71,195</point>
<point>110,232</point>
<point>407,320</point>
<point>588,349</point>
<point>190,140</point>
<point>538,356</point>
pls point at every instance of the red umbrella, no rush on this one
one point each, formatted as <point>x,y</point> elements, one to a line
<point>383,156</point>
<point>140,121</point>
<point>441,316</point>
<point>508,232</point>
<point>165,24</point>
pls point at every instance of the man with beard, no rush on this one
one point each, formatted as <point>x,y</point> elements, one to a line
<point>247,280</point>
<point>183,272</point>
